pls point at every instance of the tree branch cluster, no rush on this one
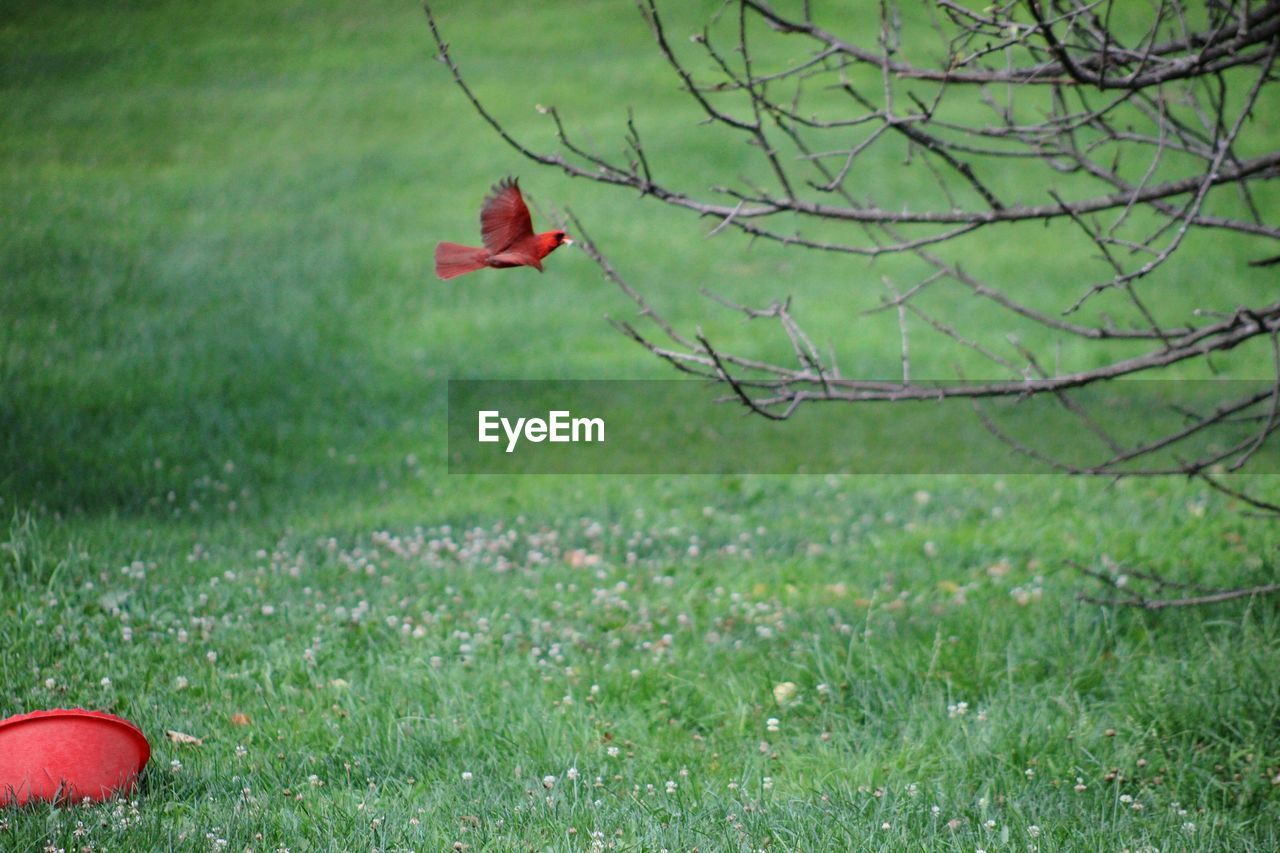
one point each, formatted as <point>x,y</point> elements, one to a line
<point>1129,128</point>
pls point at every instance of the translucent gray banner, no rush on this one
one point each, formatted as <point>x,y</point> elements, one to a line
<point>691,427</point>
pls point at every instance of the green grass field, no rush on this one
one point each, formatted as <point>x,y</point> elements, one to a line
<point>226,510</point>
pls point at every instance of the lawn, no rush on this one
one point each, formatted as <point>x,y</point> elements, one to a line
<point>225,507</point>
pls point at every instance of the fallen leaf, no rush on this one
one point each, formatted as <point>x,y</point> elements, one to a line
<point>239,720</point>
<point>183,737</point>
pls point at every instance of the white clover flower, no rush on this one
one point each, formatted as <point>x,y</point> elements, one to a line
<point>548,782</point>
<point>571,774</point>
<point>785,693</point>
<point>466,776</point>
<point>771,724</point>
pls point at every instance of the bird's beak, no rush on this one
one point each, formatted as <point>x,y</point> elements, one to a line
<point>568,241</point>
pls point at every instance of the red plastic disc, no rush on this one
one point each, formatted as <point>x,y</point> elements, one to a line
<point>68,754</point>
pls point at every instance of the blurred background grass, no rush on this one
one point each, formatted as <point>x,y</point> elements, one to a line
<point>218,234</point>
<point>218,225</point>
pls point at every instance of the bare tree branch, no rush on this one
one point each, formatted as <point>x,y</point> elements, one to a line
<point>1127,596</point>
<point>1126,134</point>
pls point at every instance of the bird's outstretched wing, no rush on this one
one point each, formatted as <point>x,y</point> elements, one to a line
<point>504,219</point>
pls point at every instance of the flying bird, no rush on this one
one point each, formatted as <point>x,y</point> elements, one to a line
<point>507,233</point>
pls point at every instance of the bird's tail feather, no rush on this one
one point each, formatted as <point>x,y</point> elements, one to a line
<point>453,259</point>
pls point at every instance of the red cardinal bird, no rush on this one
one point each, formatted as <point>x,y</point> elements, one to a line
<point>507,232</point>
